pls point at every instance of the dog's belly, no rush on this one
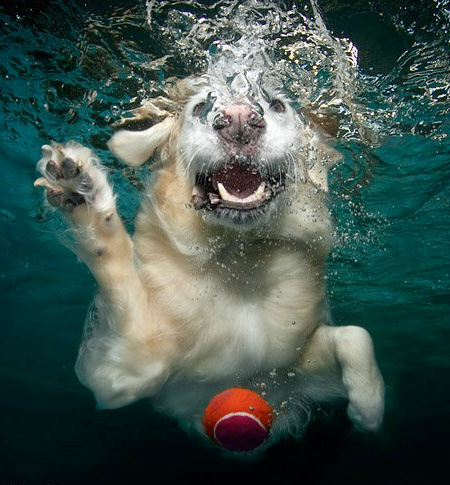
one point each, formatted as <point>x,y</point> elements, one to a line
<point>236,340</point>
<point>237,319</point>
<point>232,336</point>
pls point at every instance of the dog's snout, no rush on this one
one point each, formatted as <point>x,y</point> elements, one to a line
<point>240,124</point>
<point>221,121</point>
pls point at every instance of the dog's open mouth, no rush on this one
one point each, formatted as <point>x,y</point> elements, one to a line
<point>236,186</point>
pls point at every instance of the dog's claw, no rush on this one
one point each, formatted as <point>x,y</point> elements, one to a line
<point>42,182</point>
<point>46,150</point>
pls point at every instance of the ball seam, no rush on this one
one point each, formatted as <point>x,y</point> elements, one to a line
<point>223,418</point>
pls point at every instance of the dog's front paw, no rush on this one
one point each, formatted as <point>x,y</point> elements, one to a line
<point>72,176</point>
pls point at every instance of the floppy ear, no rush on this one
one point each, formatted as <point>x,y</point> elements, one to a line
<point>324,127</point>
<point>318,172</point>
<point>136,147</point>
<point>319,176</point>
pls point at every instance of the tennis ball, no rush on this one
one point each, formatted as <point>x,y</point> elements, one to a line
<point>238,419</point>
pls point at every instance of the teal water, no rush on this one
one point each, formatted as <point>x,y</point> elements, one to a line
<point>68,69</point>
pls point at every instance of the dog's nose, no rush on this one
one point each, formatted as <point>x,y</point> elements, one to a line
<point>239,124</point>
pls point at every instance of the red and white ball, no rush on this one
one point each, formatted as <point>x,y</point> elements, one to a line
<point>238,419</point>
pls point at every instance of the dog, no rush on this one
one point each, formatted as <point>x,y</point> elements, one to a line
<point>223,281</point>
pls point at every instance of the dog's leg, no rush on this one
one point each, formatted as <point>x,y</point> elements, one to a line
<point>348,353</point>
<point>122,356</point>
<point>77,185</point>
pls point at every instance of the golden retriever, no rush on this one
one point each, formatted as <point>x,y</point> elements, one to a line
<point>223,281</point>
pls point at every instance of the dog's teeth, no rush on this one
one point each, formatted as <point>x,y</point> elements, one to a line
<point>259,191</point>
<point>257,195</point>
<point>197,198</point>
<point>224,192</point>
<point>214,199</point>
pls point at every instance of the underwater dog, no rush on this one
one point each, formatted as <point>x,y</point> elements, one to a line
<point>223,281</point>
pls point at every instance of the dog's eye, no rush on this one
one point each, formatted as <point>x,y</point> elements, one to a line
<point>198,108</point>
<point>277,105</point>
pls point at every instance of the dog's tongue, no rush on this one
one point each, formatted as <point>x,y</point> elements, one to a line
<point>240,181</point>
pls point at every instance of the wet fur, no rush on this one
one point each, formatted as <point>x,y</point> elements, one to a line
<point>188,307</point>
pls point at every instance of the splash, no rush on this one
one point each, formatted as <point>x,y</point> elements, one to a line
<point>292,47</point>
<point>78,80</point>
<point>318,69</point>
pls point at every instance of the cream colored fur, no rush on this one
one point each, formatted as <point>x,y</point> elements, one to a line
<point>188,307</point>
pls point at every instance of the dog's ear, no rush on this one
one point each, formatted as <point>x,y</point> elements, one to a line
<point>318,175</point>
<point>162,112</point>
<point>136,147</point>
<point>326,157</point>
<point>326,124</point>
<point>325,129</point>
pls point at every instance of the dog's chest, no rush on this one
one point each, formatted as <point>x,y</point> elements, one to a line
<point>253,316</point>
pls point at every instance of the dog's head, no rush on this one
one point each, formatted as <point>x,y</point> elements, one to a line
<point>238,144</point>
<point>243,151</point>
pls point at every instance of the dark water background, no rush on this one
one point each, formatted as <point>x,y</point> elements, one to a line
<point>67,70</point>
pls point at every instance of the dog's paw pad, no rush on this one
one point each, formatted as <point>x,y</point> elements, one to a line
<point>72,176</point>
<point>69,169</point>
<point>52,170</point>
<point>55,197</point>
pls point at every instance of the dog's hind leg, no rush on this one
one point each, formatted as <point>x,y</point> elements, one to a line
<point>347,354</point>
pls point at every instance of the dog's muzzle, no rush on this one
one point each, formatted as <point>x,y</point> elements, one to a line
<point>240,127</point>
<point>242,185</point>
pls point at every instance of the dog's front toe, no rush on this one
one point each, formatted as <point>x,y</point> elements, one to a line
<point>52,170</point>
<point>69,169</point>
